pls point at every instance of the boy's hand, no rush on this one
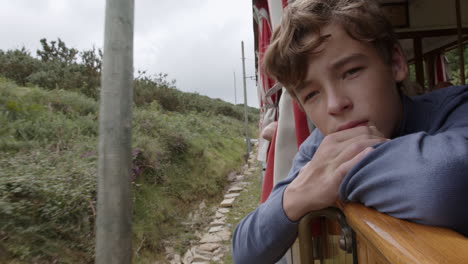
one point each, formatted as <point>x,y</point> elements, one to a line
<point>317,184</point>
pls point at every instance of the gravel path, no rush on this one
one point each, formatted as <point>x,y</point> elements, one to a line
<point>214,241</point>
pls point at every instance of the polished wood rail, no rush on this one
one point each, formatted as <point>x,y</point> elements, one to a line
<point>385,239</point>
<point>379,239</point>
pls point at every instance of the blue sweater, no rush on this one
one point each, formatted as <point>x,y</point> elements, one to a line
<point>420,175</point>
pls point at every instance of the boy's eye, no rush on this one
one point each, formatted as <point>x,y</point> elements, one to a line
<point>310,95</point>
<point>351,72</point>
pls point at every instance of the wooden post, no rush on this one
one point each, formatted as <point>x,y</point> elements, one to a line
<point>113,225</point>
<point>235,89</point>
<point>418,61</point>
<point>460,43</point>
<point>247,138</point>
<point>430,70</point>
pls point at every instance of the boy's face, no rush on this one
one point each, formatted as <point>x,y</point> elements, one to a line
<point>349,84</point>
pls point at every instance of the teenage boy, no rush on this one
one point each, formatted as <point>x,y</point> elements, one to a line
<point>406,157</point>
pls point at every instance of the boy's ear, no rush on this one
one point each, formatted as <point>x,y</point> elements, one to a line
<point>399,65</point>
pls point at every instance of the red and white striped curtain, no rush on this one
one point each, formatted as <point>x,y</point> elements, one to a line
<point>279,149</point>
<point>269,100</point>
<point>293,128</point>
<point>441,69</point>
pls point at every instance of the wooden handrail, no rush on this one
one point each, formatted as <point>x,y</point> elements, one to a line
<point>401,242</point>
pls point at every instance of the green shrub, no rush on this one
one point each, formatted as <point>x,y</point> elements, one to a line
<point>17,65</point>
<point>59,67</point>
<point>69,116</point>
<point>48,164</point>
<point>149,89</point>
<point>454,64</point>
<point>69,103</point>
<point>48,204</point>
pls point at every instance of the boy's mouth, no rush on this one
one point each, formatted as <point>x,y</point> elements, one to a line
<point>352,124</point>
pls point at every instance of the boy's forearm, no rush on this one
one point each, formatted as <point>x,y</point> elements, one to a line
<point>296,204</point>
<point>418,177</point>
<point>265,234</point>
<point>292,204</point>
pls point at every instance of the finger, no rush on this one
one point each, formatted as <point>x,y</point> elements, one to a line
<point>346,166</point>
<point>375,131</point>
<point>359,138</point>
<point>351,147</point>
<point>356,147</point>
<point>347,134</point>
<point>330,150</point>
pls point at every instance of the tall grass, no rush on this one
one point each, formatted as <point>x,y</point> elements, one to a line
<point>48,166</point>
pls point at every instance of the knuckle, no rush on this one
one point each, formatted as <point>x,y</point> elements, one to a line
<point>330,138</point>
<point>358,146</point>
<point>367,129</point>
<point>342,170</point>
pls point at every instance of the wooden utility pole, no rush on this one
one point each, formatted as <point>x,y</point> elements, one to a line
<point>235,89</point>
<point>247,138</point>
<point>460,43</point>
<point>114,209</point>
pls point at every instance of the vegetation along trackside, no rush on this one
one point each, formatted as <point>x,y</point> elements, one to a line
<point>184,145</point>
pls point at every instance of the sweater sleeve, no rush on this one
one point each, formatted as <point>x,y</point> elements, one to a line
<point>266,234</point>
<point>422,176</point>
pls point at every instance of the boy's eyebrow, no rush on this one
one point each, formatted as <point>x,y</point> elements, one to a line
<point>343,61</point>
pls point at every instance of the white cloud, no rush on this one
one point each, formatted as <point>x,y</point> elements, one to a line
<point>195,42</point>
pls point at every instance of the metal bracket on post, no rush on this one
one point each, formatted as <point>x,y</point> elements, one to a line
<point>305,238</point>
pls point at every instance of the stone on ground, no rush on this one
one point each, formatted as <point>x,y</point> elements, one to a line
<point>188,257</point>
<point>227,202</point>
<point>231,195</point>
<point>232,176</point>
<point>202,205</point>
<point>210,247</point>
<point>218,222</point>
<point>224,234</point>
<point>219,215</point>
<point>215,229</point>
<point>209,238</point>
<point>224,210</point>
<point>240,178</point>
<point>235,189</point>
<point>200,258</point>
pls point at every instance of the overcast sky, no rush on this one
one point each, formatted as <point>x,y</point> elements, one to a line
<point>196,42</point>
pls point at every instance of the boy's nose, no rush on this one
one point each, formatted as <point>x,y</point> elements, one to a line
<point>338,103</point>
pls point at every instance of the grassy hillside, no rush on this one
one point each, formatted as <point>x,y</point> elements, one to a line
<point>183,147</point>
